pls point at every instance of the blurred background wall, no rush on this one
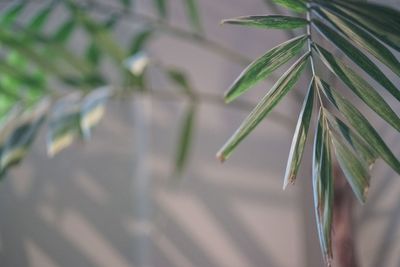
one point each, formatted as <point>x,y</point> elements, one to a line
<point>112,202</point>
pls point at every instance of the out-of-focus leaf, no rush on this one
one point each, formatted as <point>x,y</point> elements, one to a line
<point>267,103</point>
<point>360,124</point>
<point>268,22</point>
<point>127,3</point>
<point>92,109</point>
<point>358,57</point>
<point>140,40</point>
<point>363,39</point>
<point>192,11</point>
<point>360,87</point>
<point>10,15</point>
<point>352,138</point>
<point>294,5</point>
<point>64,125</point>
<point>185,140</point>
<point>261,68</point>
<point>355,171</point>
<point>41,17</point>
<point>179,78</point>
<point>93,54</point>
<point>161,7</point>
<point>323,187</point>
<point>300,137</point>
<point>63,33</point>
<point>137,63</point>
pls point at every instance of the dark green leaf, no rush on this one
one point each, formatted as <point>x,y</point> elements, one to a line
<point>360,87</point>
<point>192,11</point>
<point>294,5</point>
<point>40,18</point>
<point>363,39</point>
<point>267,103</point>
<point>269,22</point>
<point>383,32</point>
<point>360,124</point>
<point>355,171</point>
<point>140,40</point>
<point>299,138</point>
<point>63,33</point>
<point>323,187</point>
<point>353,139</point>
<point>179,78</point>
<point>93,54</point>
<point>185,140</point>
<point>261,68</point>
<point>10,15</point>
<point>358,57</point>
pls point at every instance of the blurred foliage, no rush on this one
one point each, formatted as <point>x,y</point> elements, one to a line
<point>45,80</point>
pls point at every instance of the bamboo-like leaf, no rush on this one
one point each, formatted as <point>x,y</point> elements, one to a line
<point>185,140</point>
<point>63,33</point>
<point>41,17</point>
<point>363,39</point>
<point>267,103</point>
<point>358,57</point>
<point>161,7</point>
<point>139,41</point>
<point>353,139</point>
<point>64,125</point>
<point>10,15</point>
<point>268,22</point>
<point>92,109</point>
<point>300,137</point>
<point>360,87</point>
<point>360,124</point>
<point>294,5</point>
<point>192,11</point>
<point>383,33</point>
<point>323,187</point>
<point>354,170</point>
<point>262,67</point>
<point>179,78</point>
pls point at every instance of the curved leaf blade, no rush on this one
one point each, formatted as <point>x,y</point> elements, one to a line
<point>360,124</point>
<point>267,103</point>
<point>358,57</point>
<point>299,137</point>
<point>354,170</point>
<point>294,5</point>
<point>264,66</point>
<point>360,87</point>
<point>363,39</point>
<point>268,22</point>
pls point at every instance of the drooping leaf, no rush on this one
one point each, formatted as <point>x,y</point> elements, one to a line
<point>323,187</point>
<point>267,103</point>
<point>63,33</point>
<point>185,140</point>
<point>354,170</point>
<point>93,108</point>
<point>268,22</point>
<point>353,139</point>
<point>360,87</point>
<point>363,39</point>
<point>294,5</point>
<point>192,11</point>
<point>262,67</point>
<point>382,32</point>
<point>139,41</point>
<point>360,124</point>
<point>179,78</point>
<point>300,137</point>
<point>64,124</point>
<point>358,57</point>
